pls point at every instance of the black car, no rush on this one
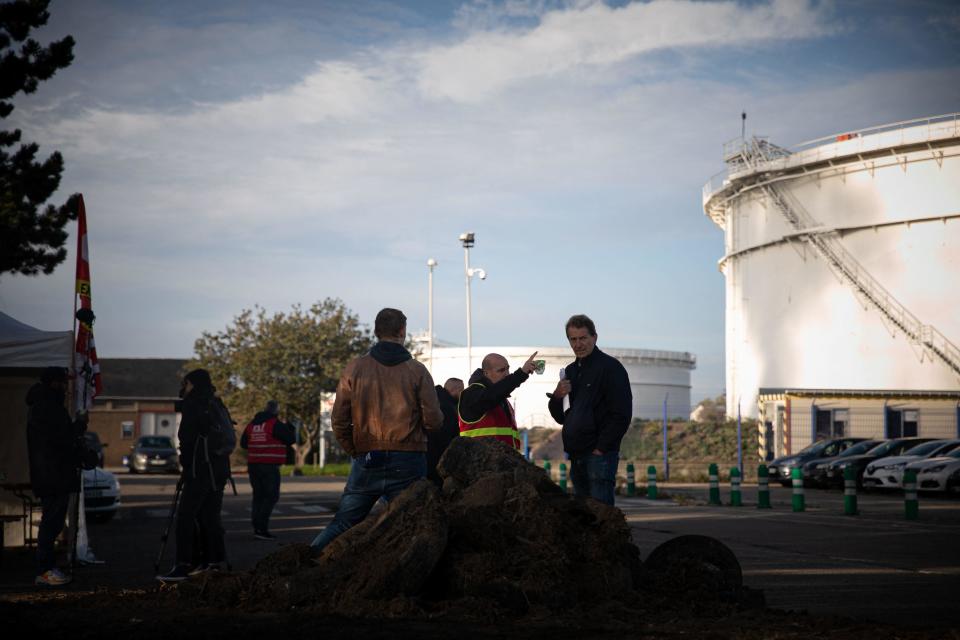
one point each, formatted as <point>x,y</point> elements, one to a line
<point>781,468</point>
<point>153,454</point>
<point>815,471</point>
<point>893,447</point>
<point>92,443</point>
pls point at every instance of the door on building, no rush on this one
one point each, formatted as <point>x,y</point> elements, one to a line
<point>770,439</point>
<point>824,425</point>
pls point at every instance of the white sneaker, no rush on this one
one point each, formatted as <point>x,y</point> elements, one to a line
<point>53,578</point>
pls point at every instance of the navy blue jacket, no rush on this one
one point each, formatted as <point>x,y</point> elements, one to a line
<point>601,405</point>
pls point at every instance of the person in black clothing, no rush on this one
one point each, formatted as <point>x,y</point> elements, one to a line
<point>601,407</point>
<point>204,476</point>
<point>266,440</point>
<point>484,411</point>
<point>438,441</point>
<point>53,448</point>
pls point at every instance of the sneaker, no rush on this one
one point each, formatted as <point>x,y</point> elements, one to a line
<point>53,578</point>
<point>264,535</point>
<point>179,573</point>
<point>206,567</point>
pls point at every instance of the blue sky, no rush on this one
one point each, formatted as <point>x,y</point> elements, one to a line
<point>240,153</point>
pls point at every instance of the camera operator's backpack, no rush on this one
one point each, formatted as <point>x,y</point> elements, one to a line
<point>222,439</point>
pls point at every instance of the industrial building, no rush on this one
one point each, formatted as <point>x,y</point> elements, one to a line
<point>842,263</point>
<point>656,377</point>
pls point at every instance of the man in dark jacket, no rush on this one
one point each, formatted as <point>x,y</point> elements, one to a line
<point>266,440</point>
<point>484,411</point>
<point>601,407</point>
<point>204,476</point>
<point>437,441</point>
<point>52,443</point>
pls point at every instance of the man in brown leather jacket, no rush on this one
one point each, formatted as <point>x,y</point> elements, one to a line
<point>385,402</point>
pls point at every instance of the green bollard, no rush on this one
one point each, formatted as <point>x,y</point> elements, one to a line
<point>714,484</point>
<point>736,500</point>
<point>651,482</point>
<point>850,491</point>
<point>799,503</point>
<point>910,503</point>
<point>546,467</point>
<point>631,480</point>
<point>763,487</point>
<point>563,477</point>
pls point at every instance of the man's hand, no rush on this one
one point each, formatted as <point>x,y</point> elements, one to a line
<point>563,388</point>
<point>530,366</point>
<point>597,452</point>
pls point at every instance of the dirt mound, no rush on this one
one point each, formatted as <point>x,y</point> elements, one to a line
<point>499,539</point>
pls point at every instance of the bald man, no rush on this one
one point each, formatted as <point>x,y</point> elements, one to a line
<point>484,411</point>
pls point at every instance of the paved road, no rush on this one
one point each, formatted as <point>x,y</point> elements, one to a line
<point>875,565</point>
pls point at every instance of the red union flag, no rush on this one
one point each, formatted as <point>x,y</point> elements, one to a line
<point>85,363</point>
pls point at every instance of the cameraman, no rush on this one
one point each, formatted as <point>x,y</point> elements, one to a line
<point>204,477</point>
<point>52,442</point>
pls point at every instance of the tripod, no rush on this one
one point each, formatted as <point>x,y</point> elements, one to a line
<point>166,530</point>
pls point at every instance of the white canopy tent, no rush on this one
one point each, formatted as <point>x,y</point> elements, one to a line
<point>23,346</point>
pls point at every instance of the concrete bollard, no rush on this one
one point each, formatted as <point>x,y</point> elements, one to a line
<point>911,506</point>
<point>799,502</point>
<point>631,480</point>
<point>763,487</point>
<point>850,491</point>
<point>736,500</point>
<point>563,477</point>
<point>651,482</point>
<point>714,483</point>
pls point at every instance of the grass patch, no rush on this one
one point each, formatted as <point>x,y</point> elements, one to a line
<point>334,469</point>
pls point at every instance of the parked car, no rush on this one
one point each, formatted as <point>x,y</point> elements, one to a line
<point>941,473</point>
<point>101,494</point>
<point>815,471</point>
<point>92,441</point>
<point>892,447</point>
<point>887,473</point>
<point>781,468</point>
<point>153,454</point>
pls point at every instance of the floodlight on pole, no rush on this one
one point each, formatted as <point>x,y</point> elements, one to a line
<point>468,239</point>
<point>431,263</point>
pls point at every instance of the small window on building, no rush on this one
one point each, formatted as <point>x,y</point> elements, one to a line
<point>126,430</point>
<point>841,418</point>
<point>164,423</point>
<point>911,423</point>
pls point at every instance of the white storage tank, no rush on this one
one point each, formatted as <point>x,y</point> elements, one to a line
<point>842,260</point>
<point>655,377</point>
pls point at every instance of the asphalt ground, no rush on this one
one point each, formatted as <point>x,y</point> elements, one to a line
<point>874,566</point>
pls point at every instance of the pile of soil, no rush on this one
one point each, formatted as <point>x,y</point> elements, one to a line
<point>499,540</point>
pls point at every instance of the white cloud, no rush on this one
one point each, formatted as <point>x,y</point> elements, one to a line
<point>593,34</point>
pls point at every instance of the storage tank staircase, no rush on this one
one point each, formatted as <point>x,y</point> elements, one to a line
<point>935,344</point>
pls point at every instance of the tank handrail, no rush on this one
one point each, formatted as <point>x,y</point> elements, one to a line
<point>882,128</point>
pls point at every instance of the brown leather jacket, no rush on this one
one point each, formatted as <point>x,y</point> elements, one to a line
<point>385,408</point>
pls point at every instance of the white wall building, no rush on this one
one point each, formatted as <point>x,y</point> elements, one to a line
<point>654,377</point>
<point>842,264</point>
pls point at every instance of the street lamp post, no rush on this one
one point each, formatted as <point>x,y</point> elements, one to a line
<point>431,263</point>
<point>468,239</point>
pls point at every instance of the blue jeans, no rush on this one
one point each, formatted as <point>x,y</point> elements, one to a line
<point>372,475</point>
<point>595,476</point>
<point>265,481</point>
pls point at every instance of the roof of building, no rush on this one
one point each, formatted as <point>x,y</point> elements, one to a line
<point>860,393</point>
<point>141,378</point>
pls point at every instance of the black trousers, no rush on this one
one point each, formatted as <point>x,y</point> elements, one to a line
<point>51,524</point>
<point>265,481</point>
<point>199,515</point>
